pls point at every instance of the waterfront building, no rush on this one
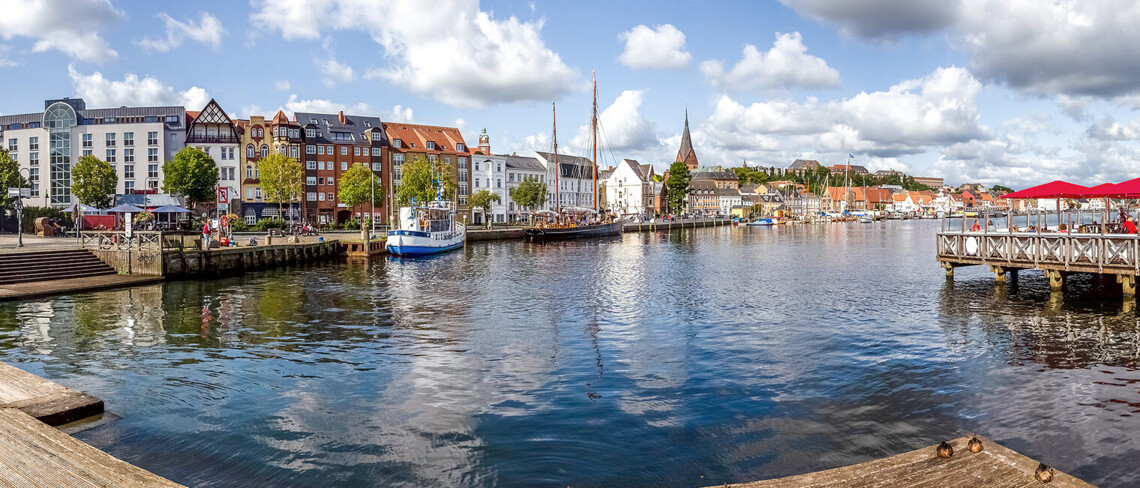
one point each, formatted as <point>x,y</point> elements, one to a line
<point>489,172</point>
<point>720,177</point>
<point>136,141</point>
<point>260,138</point>
<point>575,180</point>
<point>686,153</point>
<point>520,169</point>
<point>334,143</point>
<point>727,198</point>
<point>801,167</point>
<point>629,189</point>
<point>704,198</point>
<point>406,142</point>
<point>212,131</point>
<point>660,198</point>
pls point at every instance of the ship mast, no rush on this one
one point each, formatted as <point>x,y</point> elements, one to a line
<point>595,138</point>
<point>554,132</point>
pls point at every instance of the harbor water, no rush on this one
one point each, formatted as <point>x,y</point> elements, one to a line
<point>685,358</point>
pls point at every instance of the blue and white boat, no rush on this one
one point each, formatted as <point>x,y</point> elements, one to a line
<point>425,230</point>
<point>760,222</point>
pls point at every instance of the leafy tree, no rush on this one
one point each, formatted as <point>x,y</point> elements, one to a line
<point>282,179</point>
<point>93,181</point>
<point>677,186</point>
<point>192,173</point>
<point>529,194</point>
<point>358,185</point>
<point>9,177</point>
<point>418,181</point>
<point>1002,188</point>
<point>750,175</point>
<point>483,199</point>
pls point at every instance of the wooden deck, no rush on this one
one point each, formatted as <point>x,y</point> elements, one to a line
<point>995,467</point>
<point>46,401</point>
<point>36,289</point>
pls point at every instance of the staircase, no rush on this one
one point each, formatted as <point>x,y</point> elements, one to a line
<point>28,267</point>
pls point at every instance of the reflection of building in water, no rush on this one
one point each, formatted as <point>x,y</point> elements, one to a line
<point>129,316</point>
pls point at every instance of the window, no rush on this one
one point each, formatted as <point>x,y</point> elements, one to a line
<point>461,147</point>
<point>329,150</point>
<point>511,178</point>
<point>128,171</point>
<point>34,180</point>
<point>293,152</point>
<point>376,167</point>
<point>376,135</point>
<point>152,155</point>
<point>129,186</point>
<point>321,180</point>
<point>152,171</point>
<point>128,138</point>
<point>264,151</point>
<point>397,160</point>
<point>432,158</point>
<point>310,149</point>
<point>344,166</point>
<point>397,143</point>
<point>152,138</point>
<point>311,196</point>
<point>311,180</point>
<point>476,182</point>
<point>321,197</point>
<point>248,171</point>
<point>257,193</point>
<point>86,152</point>
<point>310,165</point>
<point>128,155</point>
<point>310,133</point>
<point>344,150</point>
<point>321,165</point>
<point>110,156</point>
<point>375,152</point>
<point>332,197</point>
<point>110,139</point>
<point>34,159</point>
<point>320,149</point>
<point>329,181</point>
<point>172,119</point>
<point>294,133</point>
<point>431,145</point>
<point>498,167</point>
<point>476,166</point>
<point>33,143</point>
<point>249,150</point>
<point>356,151</point>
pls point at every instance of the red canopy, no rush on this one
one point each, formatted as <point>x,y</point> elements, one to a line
<point>1055,189</point>
<point>1128,189</point>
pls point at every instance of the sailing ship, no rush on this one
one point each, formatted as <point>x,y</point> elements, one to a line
<point>575,222</point>
<point>428,229</point>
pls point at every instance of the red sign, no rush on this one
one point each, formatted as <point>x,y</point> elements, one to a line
<point>223,194</point>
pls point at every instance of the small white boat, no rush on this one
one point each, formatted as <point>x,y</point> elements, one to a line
<point>865,220</point>
<point>426,230</point>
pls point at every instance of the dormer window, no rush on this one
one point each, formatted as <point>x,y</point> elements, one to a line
<point>397,143</point>
<point>431,145</point>
<point>312,121</point>
<point>461,147</point>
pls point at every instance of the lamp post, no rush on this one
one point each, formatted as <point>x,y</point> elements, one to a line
<point>19,203</point>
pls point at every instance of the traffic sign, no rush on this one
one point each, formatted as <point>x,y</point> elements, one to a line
<point>13,192</point>
<point>223,194</point>
<point>223,207</point>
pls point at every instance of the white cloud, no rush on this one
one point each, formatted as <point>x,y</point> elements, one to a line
<point>538,142</point>
<point>786,65</point>
<point>333,71</point>
<point>459,55</point>
<point>910,118</point>
<point>661,47</point>
<point>282,85</point>
<point>208,30</point>
<point>621,127</point>
<point>5,60</point>
<point>1107,129</point>
<point>399,113</point>
<point>68,26</point>
<point>100,92</point>
<point>322,106</point>
<point>874,19</point>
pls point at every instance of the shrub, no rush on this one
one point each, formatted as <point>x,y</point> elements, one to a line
<point>33,213</point>
<point>270,223</point>
<point>237,224</point>
<point>352,224</point>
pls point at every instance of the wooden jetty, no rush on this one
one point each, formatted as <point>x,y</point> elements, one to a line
<point>34,454</point>
<point>1058,254</point>
<point>996,466</point>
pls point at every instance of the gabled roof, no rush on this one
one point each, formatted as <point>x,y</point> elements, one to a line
<point>686,153</point>
<point>804,164</point>
<point>416,136</point>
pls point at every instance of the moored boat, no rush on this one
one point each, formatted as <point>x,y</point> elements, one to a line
<point>426,230</point>
<point>761,222</point>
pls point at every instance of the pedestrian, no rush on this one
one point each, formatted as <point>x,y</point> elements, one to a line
<point>206,235</point>
<point>976,227</point>
<point>1130,226</point>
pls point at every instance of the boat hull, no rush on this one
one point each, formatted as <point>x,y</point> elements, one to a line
<point>536,234</point>
<point>761,222</point>
<point>411,243</point>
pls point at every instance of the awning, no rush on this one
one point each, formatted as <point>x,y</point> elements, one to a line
<point>124,208</point>
<point>1127,189</point>
<point>170,209</point>
<point>1053,189</point>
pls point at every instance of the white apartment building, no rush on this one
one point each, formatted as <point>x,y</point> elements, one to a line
<point>489,172</point>
<point>135,140</point>
<point>212,131</point>
<point>520,169</point>
<point>629,189</point>
<point>575,180</point>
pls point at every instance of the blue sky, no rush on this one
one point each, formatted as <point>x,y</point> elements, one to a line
<point>1014,92</point>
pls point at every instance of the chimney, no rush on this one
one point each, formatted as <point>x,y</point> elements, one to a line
<point>340,116</point>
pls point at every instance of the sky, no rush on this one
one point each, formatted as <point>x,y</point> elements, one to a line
<point>1013,92</point>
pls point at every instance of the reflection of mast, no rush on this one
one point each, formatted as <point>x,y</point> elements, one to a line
<point>554,132</point>
<point>595,125</point>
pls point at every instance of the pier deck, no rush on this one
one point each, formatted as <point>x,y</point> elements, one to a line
<point>995,466</point>
<point>46,401</point>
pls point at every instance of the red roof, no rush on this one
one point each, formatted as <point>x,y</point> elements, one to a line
<point>1053,189</point>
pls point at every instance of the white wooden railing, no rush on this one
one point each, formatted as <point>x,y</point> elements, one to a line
<point>1116,252</point>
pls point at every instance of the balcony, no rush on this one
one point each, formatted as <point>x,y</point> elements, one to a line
<point>210,139</point>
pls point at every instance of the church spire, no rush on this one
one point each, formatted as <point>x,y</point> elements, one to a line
<point>686,154</point>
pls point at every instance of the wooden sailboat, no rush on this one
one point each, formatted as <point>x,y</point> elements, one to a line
<point>566,226</point>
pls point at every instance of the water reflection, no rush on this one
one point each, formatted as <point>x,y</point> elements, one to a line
<point>658,359</point>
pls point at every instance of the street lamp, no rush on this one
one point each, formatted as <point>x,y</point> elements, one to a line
<point>19,203</point>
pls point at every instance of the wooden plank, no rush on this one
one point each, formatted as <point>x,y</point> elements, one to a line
<point>50,402</point>
<point>995,466</point>
<point>36,455</point>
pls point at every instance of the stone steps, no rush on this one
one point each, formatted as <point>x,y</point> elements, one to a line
<point>30,267</point>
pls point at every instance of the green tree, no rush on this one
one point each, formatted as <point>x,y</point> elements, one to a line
<point>93,181</point>
<point>282,179</point>
<point>358,185</point>
<point>677,186</point>
<point>419,179</point>
<point>193,174</point>
<point>1001,188</point>
<point>9,177</point>
<point>530,194</point>
<point>483,199</point>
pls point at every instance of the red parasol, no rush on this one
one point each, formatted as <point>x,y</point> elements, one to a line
<point>1054,189</point>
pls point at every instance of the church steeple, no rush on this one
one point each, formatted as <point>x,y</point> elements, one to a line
<point>686,154</point>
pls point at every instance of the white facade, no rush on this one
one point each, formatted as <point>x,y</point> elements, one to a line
<point>520,169</point>
<point>490,173</point>
<point>629,189</point>
<point>214,133</point>
<point>729,197</point>
<point>575,180</point>
<point>136,141</point>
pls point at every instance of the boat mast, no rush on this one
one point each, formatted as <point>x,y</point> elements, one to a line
<point>595,126</point>
<point>554,132</point>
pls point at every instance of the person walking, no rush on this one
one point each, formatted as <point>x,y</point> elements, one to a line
<point>206,235</point>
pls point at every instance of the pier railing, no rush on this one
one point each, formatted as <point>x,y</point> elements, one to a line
<point>118,241</point>
<point>1091,253</point>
